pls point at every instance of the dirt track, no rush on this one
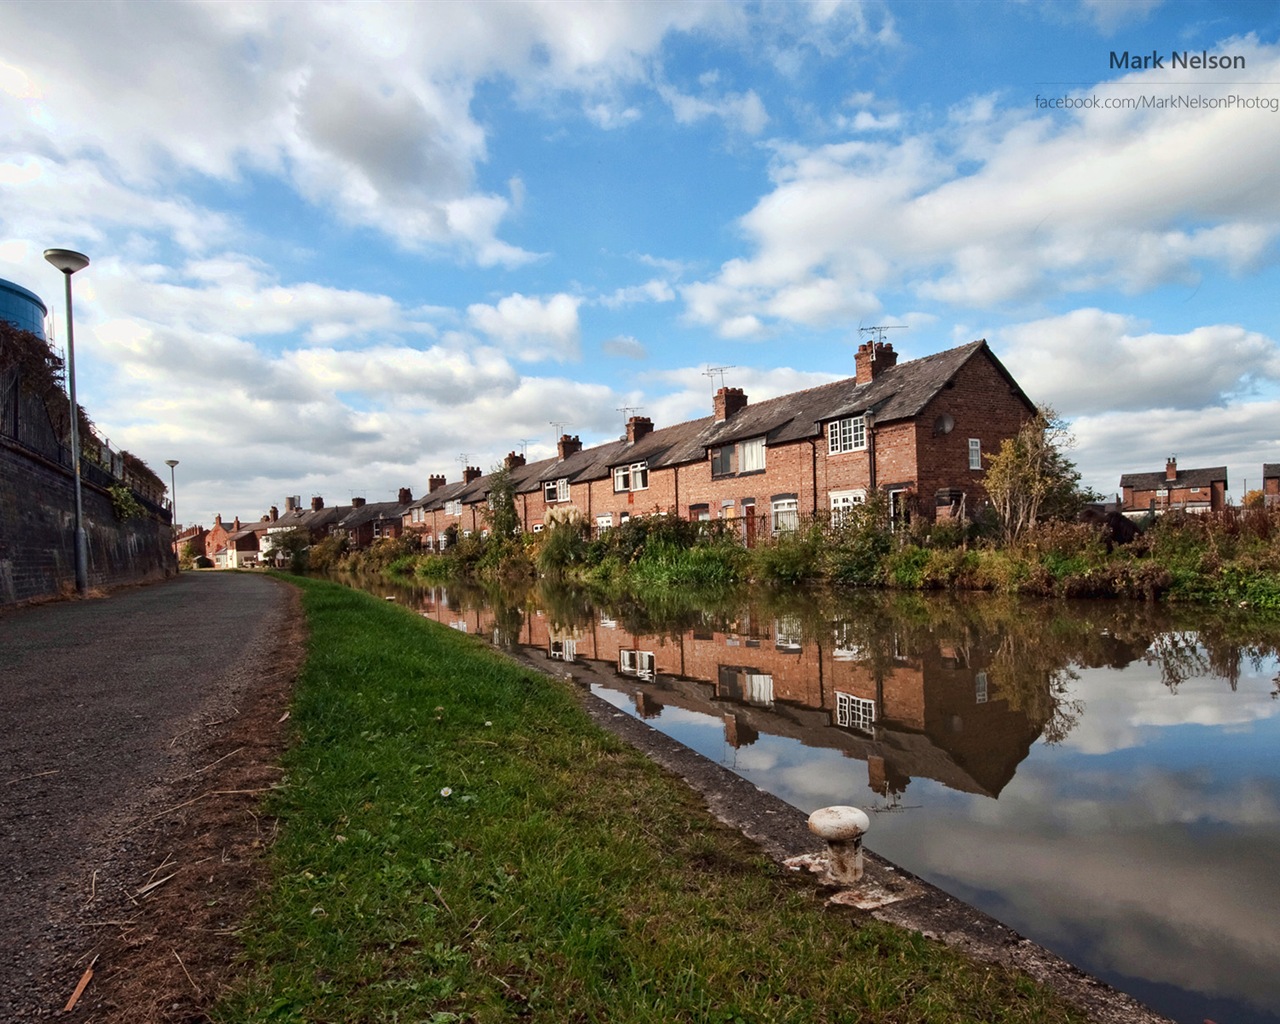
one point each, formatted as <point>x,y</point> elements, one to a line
<point>137,734</point>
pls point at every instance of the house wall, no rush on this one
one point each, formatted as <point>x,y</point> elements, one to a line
<point>37,543</point>
<point>1213,498</point>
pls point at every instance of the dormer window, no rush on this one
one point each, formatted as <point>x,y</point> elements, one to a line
<point>556,490</point>
<point>847,435</point>
<point>634,477</point>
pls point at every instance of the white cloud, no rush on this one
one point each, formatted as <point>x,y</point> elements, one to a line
<point>530,328</point>
<point>1055,206</point>
<point>625,347</point>
<point>1089,361</point>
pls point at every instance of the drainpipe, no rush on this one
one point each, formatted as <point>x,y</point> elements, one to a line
<point>871,452</point>
<point>676,471</point>
<point>813,460</point>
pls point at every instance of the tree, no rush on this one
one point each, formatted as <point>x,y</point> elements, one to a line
<point>293,543</point>
<point>501,514</point>
<point>1030,479</point>
<point>1254,499</point>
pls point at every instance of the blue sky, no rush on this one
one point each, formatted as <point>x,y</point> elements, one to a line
<point>338,247</point>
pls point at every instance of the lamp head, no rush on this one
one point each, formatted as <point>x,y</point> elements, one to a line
<point>171,463</point>
<point>67,260</point>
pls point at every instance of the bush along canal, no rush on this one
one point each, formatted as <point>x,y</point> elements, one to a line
<point>457,841</point>
<point>1101,776</point>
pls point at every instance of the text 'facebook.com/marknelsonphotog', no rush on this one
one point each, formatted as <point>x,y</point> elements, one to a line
<point>1177,101</point>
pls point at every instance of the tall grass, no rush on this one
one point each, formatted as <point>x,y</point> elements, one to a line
<point>458,843</point>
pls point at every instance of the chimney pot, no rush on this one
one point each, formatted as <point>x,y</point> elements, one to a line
<point>405,496</point>
<point>471,473</point>
<point>639,427</point>
<point>729,401</point>
<point>435,483</point>
<point>237,524</point>
<point>568,445</point>
<point>872,359</point>
<point>1171,468</point>
<point>317,503</point>
<point>357,502</point>
<point>274,514</point>
<point>513,461</point>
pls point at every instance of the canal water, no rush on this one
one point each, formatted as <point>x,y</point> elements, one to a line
<point>1103,777</point>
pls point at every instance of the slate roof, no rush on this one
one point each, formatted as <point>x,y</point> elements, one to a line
<point>1270,469</point>
<point>899,392</point>
<point>1185,478</point>
<point>370,511</point>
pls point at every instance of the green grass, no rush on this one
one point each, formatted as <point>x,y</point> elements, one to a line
<point>459,843</point>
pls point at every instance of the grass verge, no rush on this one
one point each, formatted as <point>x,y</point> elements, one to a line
<point>459,843</point>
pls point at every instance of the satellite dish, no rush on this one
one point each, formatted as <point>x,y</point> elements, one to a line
<point>944,424</point>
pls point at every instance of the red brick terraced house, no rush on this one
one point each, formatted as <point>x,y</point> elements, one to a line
<point>1271,484</point>
<point>917,431</point>
<point>1191,490</point>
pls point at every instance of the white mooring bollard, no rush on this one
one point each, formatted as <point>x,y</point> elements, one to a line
<point>843,829</point>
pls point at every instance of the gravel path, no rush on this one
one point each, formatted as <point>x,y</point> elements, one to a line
<point>108,708</point>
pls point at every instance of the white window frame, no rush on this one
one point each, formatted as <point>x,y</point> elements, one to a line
<point>855,712</point>
<point>604,522</point>
<point>843,501</point>
<point>782,518</point>
<point>453,508</point>
<point>634,477</point>
<point>555,490</point>
<point>975,453</point>
<point>637,663</point>
<point>980,688</point>
<point>847,435</point>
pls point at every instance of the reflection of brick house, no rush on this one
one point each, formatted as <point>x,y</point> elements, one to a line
<point>1191,490</point>
<point>1271,484</point>
<point>918,432</point>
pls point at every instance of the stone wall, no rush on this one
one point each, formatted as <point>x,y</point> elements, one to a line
<point>37,522</point>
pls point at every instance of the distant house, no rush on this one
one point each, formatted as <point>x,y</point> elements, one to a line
<point>216,539</point>
<point>1190,490</point>
<point>365,523</point>
<point>243,548</point>
<point>193,535</point>
<point>1271,484</point>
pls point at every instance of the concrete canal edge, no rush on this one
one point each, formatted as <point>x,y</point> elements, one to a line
<point>886,892</point>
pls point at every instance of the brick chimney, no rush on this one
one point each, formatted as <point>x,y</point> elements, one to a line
<point>317,503</point>
<point>217,520</point>
<point>273,515</point>
<point>728,401</point>
<point>568,445</point>
<point>872,359</point>
<point>513,461</point>
<point>638,427</point>
<point>435,483</point>
<point>357,502</point>
<point>404,496</point>
<point>1171,468</point>
<point>471,473</point>
<point>236,528</point>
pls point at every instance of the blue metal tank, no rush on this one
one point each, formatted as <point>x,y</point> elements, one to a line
<point>23,308</point>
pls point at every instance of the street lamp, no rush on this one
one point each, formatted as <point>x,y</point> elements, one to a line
<point>173,510</point>
<point>69,261</point>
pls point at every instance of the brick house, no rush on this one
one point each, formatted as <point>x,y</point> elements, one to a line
<point>1191,490</point>
<point>216,539</point>
<point>365,523</point>
<point>1271,484</point>
<point>193,535</point>
<point>917,431</point>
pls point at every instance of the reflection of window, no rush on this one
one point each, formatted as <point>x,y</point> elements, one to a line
<point>749,685</point>
<point>980,687</point>
<point>563,650</point>
<point>855,712</point>
<point>786,634</point>
<point>847,647</point>
<point>459,624</point>
<point>636,663</point>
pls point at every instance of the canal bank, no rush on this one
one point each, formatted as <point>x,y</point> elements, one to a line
<point>887,892</point>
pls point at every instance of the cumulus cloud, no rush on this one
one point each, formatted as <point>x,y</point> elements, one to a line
<point>1089,361</point>
<point>624,347</point>
<point>530,328</point>
<point>1002,207</point>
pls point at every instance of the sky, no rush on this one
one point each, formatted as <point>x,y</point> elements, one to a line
<point>339,248</point>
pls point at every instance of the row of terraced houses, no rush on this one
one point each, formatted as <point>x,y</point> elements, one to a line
<point>918,432</point>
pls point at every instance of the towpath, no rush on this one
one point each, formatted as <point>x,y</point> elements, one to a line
<point>108,708</point>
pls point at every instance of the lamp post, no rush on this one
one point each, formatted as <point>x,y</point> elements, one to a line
<point>69,261</point>
<point>173,511</point>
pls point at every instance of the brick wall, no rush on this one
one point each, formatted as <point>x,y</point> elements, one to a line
<point>37,522</point>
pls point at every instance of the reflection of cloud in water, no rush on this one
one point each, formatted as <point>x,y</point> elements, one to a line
<point>1121,712</point>
<point>1166,904</point>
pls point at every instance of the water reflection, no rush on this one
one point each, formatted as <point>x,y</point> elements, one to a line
<point>1103,777</point>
